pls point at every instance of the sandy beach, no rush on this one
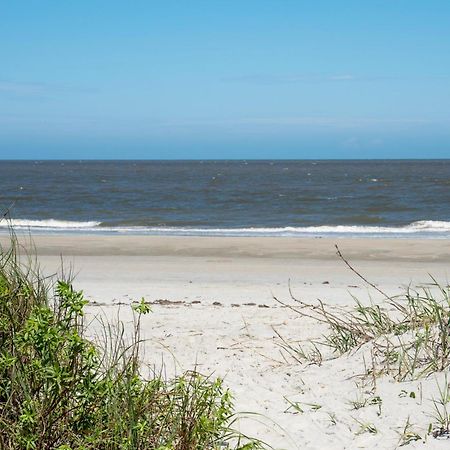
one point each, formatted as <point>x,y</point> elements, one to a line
<point>214,309</point>
<point>232,223</point>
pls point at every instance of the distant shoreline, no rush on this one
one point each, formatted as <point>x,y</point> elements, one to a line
<point>386,249</point>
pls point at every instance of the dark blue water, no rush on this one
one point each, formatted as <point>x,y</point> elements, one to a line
<point>229,197</point>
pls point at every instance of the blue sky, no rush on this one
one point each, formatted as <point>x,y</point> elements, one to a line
<point>224,79</point>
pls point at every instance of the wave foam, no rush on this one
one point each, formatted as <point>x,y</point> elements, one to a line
<point>49,224</point>
<point>438,225</point>
<point>422,227</point>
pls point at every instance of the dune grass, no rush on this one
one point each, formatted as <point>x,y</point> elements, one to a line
<point>409,333</point>
<point>60,390</point>
<point>407,337</point>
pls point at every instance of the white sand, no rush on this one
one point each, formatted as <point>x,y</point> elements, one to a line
<point>235,338</point>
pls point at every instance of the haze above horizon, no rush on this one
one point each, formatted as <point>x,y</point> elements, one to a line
<point>224,79</point>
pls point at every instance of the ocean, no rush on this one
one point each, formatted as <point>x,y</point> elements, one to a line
<point>237,198</point>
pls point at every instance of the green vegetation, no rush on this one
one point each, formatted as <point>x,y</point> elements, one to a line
<point>60,390</point>
<point>409,334</point>
<point>406,337</point>
<point>441,413</point>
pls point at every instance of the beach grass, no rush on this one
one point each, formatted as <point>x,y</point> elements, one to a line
<point>61,390</point>
<point>407,338</point>
<point>409,333</point>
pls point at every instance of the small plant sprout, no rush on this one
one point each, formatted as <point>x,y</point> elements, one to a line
<point>378,402</point>
<point>404,393</point>
<point>333,418</point>
<point>441,413</point>
<point>141,307</point>
<point>408,435</point>
<point>366,427</point>
<point>300,407</point>
<point>358,403</point>
<point>294,407</point>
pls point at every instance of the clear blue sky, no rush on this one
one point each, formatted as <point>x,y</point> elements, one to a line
<point>224,79</point>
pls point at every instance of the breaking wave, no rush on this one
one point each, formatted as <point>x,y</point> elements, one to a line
<point>428,228</point>
<point>49,224</point>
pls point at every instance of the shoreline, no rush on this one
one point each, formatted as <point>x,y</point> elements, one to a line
<point>360,248</point>
<point>285,233</point>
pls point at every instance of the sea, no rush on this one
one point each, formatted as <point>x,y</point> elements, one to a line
<point>355,198</point>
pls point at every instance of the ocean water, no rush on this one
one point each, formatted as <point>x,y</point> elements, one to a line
<point>250,198</point>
